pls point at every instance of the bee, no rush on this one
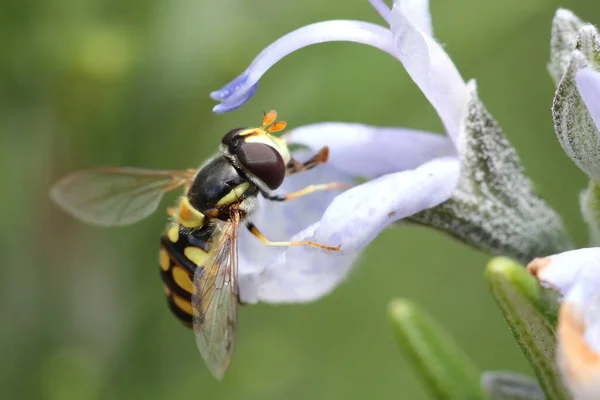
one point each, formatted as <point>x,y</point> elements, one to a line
<point>198,249</point>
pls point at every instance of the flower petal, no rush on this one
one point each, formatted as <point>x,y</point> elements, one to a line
<point>369,151</point>
<point>236,93</point>
<point>588,84</point>
<point>428,64</point>
<point>580,364</point>
<point>418,13</point>
<point>353,219</point>
<point>576,274</point>
<point>561,271</point>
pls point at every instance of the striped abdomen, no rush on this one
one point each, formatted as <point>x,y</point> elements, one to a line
<point>181,252</point>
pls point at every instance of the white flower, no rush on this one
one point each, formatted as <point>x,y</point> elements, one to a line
<point>407,170</point>
<point>576,275</point>
<point>468,183</point>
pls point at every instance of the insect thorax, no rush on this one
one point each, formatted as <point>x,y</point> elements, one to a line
<point>218,185</point>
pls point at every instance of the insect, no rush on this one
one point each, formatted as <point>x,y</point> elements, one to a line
<point>198,249</point>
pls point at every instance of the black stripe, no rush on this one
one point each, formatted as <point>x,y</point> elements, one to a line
<point>199,237</point>
<point>176,253</point>
<point>184,317</point>
<point>167,277</point>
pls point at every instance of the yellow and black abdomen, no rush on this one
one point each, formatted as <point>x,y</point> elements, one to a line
<point>181,252</point>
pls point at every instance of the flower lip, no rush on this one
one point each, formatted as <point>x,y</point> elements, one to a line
<point>297,274</point>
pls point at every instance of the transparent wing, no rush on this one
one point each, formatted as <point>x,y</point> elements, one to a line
<point>215,298</point>
<point>113,196</point>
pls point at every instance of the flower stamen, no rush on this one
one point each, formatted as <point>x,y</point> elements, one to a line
<point>269,118</point>
<point>382,9</point>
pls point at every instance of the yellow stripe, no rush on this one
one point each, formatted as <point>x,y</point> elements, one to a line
<point>163,259</point>
<point>234,195</point>
<point>182,279</point>
<point>195,255</point>
<point>173,233</point>
<point>188,215</point>
<point>185,305</point>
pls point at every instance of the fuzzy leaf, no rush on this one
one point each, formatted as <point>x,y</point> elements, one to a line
<point>495,207</point>
<point>588,42</point>
<point>447,373</point>
<point>574,127</point>
<point>509,386</point>
<point>520,299</point>
<point>565,27</point>
<point>589,202</point>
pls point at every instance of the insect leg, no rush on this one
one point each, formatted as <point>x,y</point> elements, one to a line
<point>295,166</point>
<point>303,192</point>
<point>254,230</point>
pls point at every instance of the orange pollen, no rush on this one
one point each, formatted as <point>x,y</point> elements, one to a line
<point>269,118</point>
<point>277,126</point>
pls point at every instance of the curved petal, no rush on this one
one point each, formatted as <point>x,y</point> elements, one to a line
<point>428,64</point>
<point>369,151</point>
<point>352,220</point>
<point>237,92</point>
<point>588,84</point>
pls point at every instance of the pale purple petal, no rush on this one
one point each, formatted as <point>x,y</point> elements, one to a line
<point>234,94</point>
<point>585,294</point>
<point>369,151</point>
<point>417,11</point>
<point>588,84</point>
<point>428,65</point>
<point>353,220</point>
<point>578,361</point>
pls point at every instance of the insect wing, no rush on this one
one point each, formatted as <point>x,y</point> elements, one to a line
<point>115,196</point>
<point>214,301</point>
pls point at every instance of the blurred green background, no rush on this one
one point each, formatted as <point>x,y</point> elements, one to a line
<point>90,82</point>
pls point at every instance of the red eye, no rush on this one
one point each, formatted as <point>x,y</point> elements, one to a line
<point>264,162</point>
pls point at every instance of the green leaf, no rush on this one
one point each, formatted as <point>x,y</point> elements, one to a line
<point>447,373</point>
<point>525,309</point>
<point>509,386</point>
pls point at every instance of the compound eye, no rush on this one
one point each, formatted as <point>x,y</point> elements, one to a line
<point>264,162</point>
<point>230,135</point>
